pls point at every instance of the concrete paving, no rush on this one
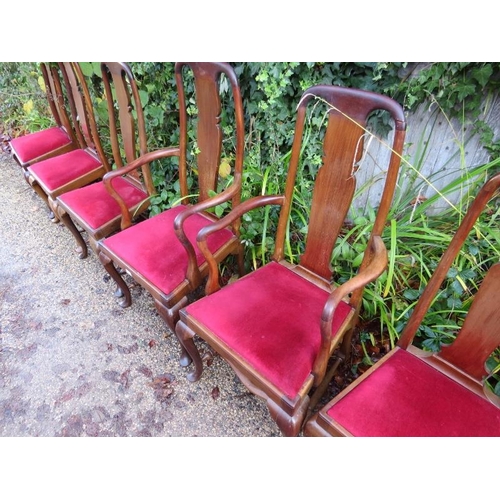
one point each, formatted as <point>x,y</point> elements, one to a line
<point>74,363</point>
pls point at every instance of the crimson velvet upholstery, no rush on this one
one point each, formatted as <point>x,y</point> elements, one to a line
<point>153,250</point>
<point>56,173</point>
<point>407,397</point>
<point>95,206</point>
<point>31,146</point>
<point>257,332</point>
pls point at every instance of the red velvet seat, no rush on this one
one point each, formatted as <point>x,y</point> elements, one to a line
<point>407,397</point>
<point>97,207</point>
<point>414,393</point>
<point>32,146</point>
<point>152,250</point>
<point>271,309</point>
<point>279,326</point>
<point>59,173</point>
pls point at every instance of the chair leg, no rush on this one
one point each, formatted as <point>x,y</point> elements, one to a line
<point>320,390</point>
<point>126,300</point>
<point>185,336</point>
<point>41,193</point>
<point>171,317</point>
<point>68,222</point>
<point>290,425</point>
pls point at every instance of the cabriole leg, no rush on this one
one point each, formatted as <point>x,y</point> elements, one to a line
<point>185,336</point>
<point>171,317</point>
<point>126,300</point>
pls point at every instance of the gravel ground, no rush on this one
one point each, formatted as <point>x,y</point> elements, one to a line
<point>74,363</point>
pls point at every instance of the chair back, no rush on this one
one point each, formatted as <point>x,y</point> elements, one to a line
<point>82,110</point>
<point>127,130</point>
<point>346,112</point>
<point>208,78</point>
<point>480,333</point>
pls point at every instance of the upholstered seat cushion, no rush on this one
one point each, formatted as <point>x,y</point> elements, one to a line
<point>95,206</point>
<point>152,248</point>
<point>407,397</point>
<point>31,146</point>
<point>63,169</point>
<point>270,317</point>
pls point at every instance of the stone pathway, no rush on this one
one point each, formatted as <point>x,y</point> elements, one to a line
<point>73,363</point>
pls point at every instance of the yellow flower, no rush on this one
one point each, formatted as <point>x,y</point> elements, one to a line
<point>28,107</point>
<point>41,82</point>
<point>224,169</point>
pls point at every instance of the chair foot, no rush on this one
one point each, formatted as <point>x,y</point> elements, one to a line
<point>185,336</point>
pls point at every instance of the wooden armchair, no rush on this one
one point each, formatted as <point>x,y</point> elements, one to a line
<point>410,392</point>
<point>279,325</point>
<point>160,253</point>
<point>91,207</point>
<point>43,144</point>
<point>78,167</point>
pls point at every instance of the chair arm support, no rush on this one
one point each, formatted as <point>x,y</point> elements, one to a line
<point>244,207</point>
<point>137,163</point>
<point>192,273</point>
<point>373,270</point>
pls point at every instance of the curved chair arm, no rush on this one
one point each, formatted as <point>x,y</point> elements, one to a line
<point>192,273</point>
<point>373,270</point>
<point>139,162</point>
<point>244,207</point>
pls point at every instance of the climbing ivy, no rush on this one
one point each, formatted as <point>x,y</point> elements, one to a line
<point>270,93</point>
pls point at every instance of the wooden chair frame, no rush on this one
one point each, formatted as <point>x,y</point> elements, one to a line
<point>87,137</point>
<point>209,141</point>
<point>314,265</point>
<point>121,104</point>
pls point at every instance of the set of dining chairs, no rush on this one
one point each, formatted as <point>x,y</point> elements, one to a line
<point>285,327</point>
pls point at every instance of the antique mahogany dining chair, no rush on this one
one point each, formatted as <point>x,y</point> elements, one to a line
<point>410,392</point>
<point>37,146</point>
<point>78,167</point>
<point>160,253</point>
<point>91,207</point>
<point>279,325</point>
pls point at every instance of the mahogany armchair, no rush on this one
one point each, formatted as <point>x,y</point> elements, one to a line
<point>160,253</point>
<point>80,166</point>
<point>92,207</point>
<point>410,392</point>
<point>279,325</point>
<point>53,141</point>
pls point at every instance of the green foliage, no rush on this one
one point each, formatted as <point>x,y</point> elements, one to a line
<point>23,102</point>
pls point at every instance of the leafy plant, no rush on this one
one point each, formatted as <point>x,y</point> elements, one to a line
<point>23,102</point>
